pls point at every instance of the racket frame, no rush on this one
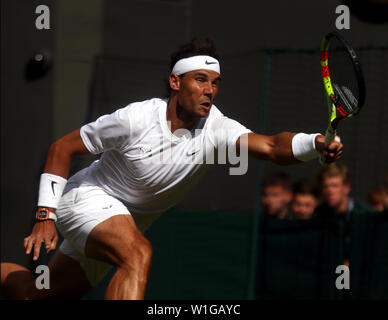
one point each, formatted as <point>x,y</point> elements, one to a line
<point>336,112</point>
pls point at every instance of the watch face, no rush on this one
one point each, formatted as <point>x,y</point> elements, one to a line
<point>42,214</point>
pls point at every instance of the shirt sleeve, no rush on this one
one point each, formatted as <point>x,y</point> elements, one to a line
<point>225,131</point>
<point>107,132</point>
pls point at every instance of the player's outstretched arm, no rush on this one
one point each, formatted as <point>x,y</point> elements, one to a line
<point>289,148</point>
<point>57,166</point>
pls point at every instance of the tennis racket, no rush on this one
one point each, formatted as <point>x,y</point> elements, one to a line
<point>343,81</point>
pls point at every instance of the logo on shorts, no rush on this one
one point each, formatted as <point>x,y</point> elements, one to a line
<point>108,207</point>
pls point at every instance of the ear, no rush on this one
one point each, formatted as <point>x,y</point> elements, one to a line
<point>175,82</point>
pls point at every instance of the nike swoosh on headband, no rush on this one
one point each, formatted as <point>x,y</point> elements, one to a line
<point>207,62</point>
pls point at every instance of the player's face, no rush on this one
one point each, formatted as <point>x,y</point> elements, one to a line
<point>335,191</point>
<point>275,199</point>
<point>303,205</point>
<point>197,91</point>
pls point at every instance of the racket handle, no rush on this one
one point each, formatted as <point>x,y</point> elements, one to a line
<point>329,137</point>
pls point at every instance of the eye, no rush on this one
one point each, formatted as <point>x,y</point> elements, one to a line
<point>216,83</point>
<point>200,79</point>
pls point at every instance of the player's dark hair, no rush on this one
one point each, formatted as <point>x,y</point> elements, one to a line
<point>277,179</point>
<point>197,46</point>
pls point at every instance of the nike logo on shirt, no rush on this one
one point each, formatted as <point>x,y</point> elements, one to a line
<point>190,153</point>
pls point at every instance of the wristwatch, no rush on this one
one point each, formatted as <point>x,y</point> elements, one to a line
<point>43,214</point>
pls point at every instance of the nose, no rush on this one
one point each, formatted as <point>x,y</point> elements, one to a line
<point>208,89</point>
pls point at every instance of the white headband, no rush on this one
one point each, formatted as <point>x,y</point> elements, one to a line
<point>195,63</point>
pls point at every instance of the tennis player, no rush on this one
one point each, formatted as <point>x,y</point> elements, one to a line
<point>103,210</point>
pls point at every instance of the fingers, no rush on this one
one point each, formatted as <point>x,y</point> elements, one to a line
<point>51,244</point>
<point>37,245</point>
<point>39,235</point>
<point>28,243</point>
<point>31,242</point>
<point>48,242</point>
<point>34,245</point>
<point>334,145</point>
<point>333,152</point>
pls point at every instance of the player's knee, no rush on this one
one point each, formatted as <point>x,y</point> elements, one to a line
<point>147,249</point>
<point>139,253</point>
<point>144,250</point>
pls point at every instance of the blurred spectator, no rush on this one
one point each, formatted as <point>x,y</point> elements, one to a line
<point>378,199</point>
<point>334,183</point>
<point>276,195</point>
<point>335,187</point>
<point>305,199</point>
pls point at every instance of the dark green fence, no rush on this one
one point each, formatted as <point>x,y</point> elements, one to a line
<point>298,259</point>
<point>208,256</point>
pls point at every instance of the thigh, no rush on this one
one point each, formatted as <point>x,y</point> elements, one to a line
<point>114,239</point>
<point>81,209</point>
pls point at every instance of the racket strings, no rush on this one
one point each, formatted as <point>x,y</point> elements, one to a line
<point>344,78</point>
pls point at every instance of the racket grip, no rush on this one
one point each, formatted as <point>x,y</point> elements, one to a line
<point>329,137</point>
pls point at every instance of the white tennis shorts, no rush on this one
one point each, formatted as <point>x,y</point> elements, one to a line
<point>80,209</point>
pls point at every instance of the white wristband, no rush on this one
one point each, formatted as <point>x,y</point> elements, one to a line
<point>303,146</point>
<point>50,190</point>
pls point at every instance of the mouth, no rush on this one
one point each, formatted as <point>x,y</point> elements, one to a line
<point>206,106</point>
<point>331,199</point>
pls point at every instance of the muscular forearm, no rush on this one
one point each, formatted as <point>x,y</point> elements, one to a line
<point>62,151</point>
<point>281,149</point>
<point>57,168</point>
<point>58,160</point>
<point>277,148</point>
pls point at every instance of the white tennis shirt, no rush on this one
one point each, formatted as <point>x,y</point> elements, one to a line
<point>143,163</point>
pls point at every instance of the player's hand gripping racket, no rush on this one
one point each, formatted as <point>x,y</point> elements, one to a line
<point>343,81</point>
